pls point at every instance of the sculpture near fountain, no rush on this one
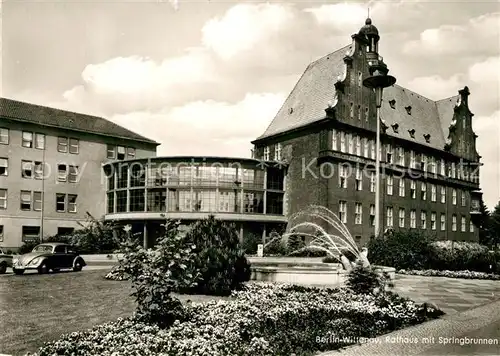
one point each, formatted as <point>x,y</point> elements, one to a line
<point>334,243</point>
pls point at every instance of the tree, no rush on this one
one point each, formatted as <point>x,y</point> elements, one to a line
<point>485,236</point>
<point>494,225</point>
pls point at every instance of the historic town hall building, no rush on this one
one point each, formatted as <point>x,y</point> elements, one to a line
<point>325,132</point>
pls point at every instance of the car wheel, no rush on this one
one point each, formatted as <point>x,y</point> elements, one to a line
<point>77,267</point>
<point>18,271</point>
<point>43,268</point>
<point>3,268</point>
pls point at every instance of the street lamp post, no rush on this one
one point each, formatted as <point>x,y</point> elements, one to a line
<point>377,81</point>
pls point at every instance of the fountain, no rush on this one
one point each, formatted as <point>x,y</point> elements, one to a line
<point>335,240</point>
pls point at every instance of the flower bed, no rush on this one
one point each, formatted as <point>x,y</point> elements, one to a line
<point>451,274</point>
<point>264,319</point>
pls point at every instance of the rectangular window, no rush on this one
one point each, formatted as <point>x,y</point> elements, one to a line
<point>372,150</point>
<point>62,144</point>
<point>413,160</point>
<point>413,189</point>
<point>343,176</point>
<point>432,165</point>
<point>443,195</point>
<point>464,198</point>
<point>343,211</point>
<point>423,191</point>
<point>74,146</point>
<point>342,142</point>
<point>277,152</point>
<point>266,153</point>
<point>350,140</point>
<point>62,173</point>
<point>401,156</point>
<point>39,170</point>
<point>401,187</point>
<point>334,140</point>
<point>372,182</point>
<point>464,224</point>
<point>433,221</point>
<point>130,152</point>
<point>27,169</point>
<point>390,216</point>
<point>454,222</point>
<point>358,145</point>
<point>60,203</point>
<point>423,162</point>
<point>111,152</point>
<point>4,136</point>
<point>433,192</point>
<point>121,152</point>
<point>442,168</point>
<point>372,214</point>
<point>443,222</point>
<point>401,217</point>
<point>37,201</point>
<point>25,200</point>
<point>30,233</point>
<point>73,174</point>
<point>358,214</point>
<point>366,148</point>
<point>27,139</point>
<point>1,233</point>
<point>111,202</point>
<point>423,220</point>
<point>39,141</point>
<point>471,226</point>
<point>453,170</point>
<point>390,184</point>
<point>3,199</point>
<point>413,219</point>
<point>359,179</point>
<point>454,196</point>
<point>388,153</point>
<point>4,166</point>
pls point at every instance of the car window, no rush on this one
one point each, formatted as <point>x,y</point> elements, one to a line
<point>43,248</point>
<point>60,249</point>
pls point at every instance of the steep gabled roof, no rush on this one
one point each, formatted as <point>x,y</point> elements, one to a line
<point>51,117</point>
<point>311,95</point>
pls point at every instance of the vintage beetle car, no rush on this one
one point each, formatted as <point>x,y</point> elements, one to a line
<point>5,261</point>
<point>49,256</point>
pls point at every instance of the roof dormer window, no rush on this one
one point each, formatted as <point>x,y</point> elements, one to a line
<point>395,127</point>
<point>412,133</point>
<point>427,137</point>
<point>392,103</point>
<point>408,110</point>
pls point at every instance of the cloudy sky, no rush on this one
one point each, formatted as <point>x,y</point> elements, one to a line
<point>207,77</point>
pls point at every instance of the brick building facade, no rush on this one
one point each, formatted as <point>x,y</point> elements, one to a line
<point>326,130</point>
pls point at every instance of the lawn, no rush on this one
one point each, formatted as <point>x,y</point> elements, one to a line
<point>38,308</point>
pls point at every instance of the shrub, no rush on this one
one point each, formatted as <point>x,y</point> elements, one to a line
<point>308,252</point>
<point>250,243</point>
<point>155,274</point>
<point>219,257</point>
<point>295,243</point>
<point>367,280</point>
<point>452,274</point>
<point>262,320</point>
<point>459,255</point>
<point>401,250</point>
<point>275,245</point>
<point>28,246</point>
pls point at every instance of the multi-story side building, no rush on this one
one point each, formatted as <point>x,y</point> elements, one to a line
<point>326,129</point>
<point>51,168</point>
<point>241,191</point>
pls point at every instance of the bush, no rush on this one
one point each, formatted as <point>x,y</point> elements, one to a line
<point>308,252</point>
<point>367,280</point>
<point>264,319</point>
<point>459,255</point>
<point>28,246</point>
<point>219,257</point>
<point>401,250</point>
<point>250,243</point>
<point>155,274</point>
<point>295,243</point>
<point>452,274</point>
<point>275,245</point>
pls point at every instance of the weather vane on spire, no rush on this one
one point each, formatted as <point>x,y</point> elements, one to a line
<point>368,12</point>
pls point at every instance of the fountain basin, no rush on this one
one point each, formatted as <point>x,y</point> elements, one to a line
<point>305,273</point>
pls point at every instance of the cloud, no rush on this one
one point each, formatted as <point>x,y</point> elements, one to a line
<point>206,127</point>
<point>458,39</point>
<point>488,146</point>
